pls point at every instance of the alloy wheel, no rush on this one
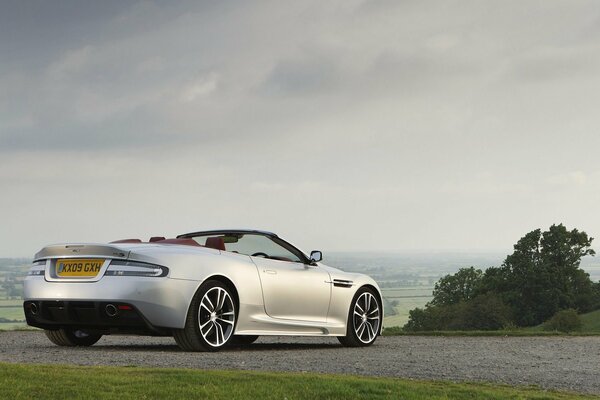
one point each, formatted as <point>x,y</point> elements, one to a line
<point>216,316</point>
<point>366,317</point>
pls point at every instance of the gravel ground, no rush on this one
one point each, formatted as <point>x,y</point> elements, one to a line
<point>568,363</point>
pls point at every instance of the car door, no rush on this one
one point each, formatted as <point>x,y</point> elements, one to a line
<point>293,290</point>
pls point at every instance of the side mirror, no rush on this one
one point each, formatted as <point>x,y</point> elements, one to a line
<point>316,256</point>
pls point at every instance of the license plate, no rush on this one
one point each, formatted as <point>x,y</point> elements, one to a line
<point>78,268</point>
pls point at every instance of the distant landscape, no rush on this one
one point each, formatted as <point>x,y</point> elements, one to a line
<point>406,279</point>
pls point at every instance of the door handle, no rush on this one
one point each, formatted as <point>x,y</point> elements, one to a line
<point>270,271</point>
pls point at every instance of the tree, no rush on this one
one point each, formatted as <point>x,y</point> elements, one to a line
<point>596,295</point>
<point>540,278</point>
<point>430,318</point>
<point>542,275</point>
<point>461,286</point>
<point>483,312</point>
<point>564,321</point>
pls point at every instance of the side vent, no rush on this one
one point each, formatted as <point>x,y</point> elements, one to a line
<point>342,283</point>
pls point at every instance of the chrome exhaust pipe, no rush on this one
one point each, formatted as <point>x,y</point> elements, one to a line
<point>33,308</point>
<point>111,310</point>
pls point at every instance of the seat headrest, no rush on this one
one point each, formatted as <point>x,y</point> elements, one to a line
<point>216,243</point>
<point>127,241</point>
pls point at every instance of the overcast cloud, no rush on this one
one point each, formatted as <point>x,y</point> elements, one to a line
<point>341,125</point>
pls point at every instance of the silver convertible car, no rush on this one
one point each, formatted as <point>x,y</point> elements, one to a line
<point>206,289</point>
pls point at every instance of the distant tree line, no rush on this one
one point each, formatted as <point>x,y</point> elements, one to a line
<point>540,278</point>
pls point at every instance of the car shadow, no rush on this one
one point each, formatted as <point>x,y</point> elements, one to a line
<point>284,346</point>
<point>255,347</point>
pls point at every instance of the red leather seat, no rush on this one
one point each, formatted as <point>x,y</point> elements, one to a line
<point>216,243</point>
<point>156,238</point>
<point>127,241</point>
<point>184,241</point>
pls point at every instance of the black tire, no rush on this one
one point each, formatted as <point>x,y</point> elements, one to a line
<point>72,337</point>
<point>243,340</point>
<point>367,338</point>
<point>217,332</point>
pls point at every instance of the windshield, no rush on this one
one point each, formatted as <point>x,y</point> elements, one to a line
<point>255,245</point>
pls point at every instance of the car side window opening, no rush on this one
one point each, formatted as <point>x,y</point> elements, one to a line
<point>251,245</point>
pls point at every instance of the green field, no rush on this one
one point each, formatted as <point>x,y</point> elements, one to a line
<point>12,310</point>
<point>408,298</point>
<point>20,381</point>
<point>11,303</point>
<point>591,321</point>
<point>11,326</point>
<point>591,324</point>
<point>12,313</point>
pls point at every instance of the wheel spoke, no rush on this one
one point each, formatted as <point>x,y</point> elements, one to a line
<point>359,307</point>
<point>204,324</point>
<point>226,321</point>
<point>220,329</point>
<point>217,342</point>
<point>218,302</point>
<point>208,330</point>
<point>370,331</point>
<point>361,329</point>
<point>209,302</point>
<point>225,297</point>
<point>204,305</point>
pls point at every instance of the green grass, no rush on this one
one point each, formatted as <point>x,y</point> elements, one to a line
<point>407,291</point>
<point>591,321</point>
<point>397,331</point>
<point>402,310</point>
<point>14,313</point>
<point>408,298</point>
<point>591,327</point>
<point>12,310</point>
<point>13,303</point>
<point>14,326</point>
<point>20,381</point>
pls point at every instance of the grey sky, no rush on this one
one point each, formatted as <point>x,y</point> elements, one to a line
<point>341,125</point>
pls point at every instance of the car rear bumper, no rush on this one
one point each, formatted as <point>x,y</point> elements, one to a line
<point>103,316</point>
<point>157,302</point>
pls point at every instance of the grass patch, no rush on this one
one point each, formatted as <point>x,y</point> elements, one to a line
<point>11,303</point>
<point>408,298</point>
<point>14,326</point>
<point>591,321</point>
<point>13,313</point>
<point>397,331</point>
<point>591,327</point>
<point>22,381</point>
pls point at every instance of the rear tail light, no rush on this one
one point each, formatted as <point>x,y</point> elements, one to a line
<point>37,268</point>
<point>135,268</point>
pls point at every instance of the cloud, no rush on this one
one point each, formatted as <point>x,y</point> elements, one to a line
<point>571,178</point>
<point>312,74</point>
<point>199,88</point>
<point>428,124</point>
